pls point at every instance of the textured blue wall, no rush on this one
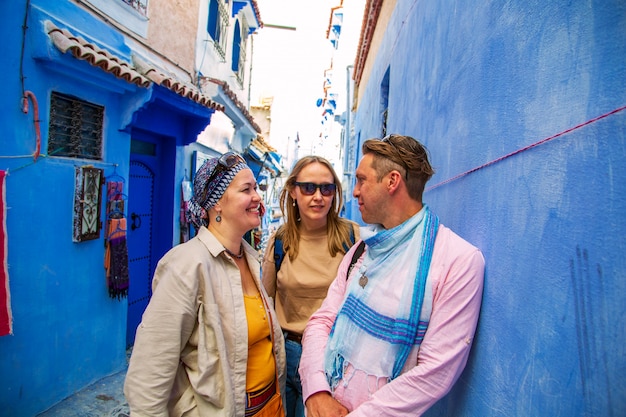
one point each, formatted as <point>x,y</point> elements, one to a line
<point>67,331</point>
<point>476,81</point>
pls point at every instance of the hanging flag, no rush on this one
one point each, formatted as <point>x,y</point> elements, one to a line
<point>6,319</point>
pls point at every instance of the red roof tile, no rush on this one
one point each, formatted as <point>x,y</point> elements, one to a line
<point>179,87</point>
<point>233,97</point>
<point>370,18</point>
<point>142,75</point>
<point>261,144</point>
<point>257,13</point>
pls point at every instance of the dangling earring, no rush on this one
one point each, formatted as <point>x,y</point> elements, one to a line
<point>218,218</point>
<point>294,204</point>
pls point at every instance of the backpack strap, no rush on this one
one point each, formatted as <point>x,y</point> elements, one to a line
<point>279,252</point>
<point>355,257</point>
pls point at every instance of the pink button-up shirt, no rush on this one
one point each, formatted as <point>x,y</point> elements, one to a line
<point>457,270</point>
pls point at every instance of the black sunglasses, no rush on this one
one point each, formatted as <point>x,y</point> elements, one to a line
<point>226,162</point>
<point>309,188</point>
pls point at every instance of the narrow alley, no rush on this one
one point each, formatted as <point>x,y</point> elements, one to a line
<point>104,398</point>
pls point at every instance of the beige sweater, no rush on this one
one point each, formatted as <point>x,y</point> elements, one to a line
<point>300,285</point>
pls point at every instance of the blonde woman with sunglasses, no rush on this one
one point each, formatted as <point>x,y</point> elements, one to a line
<point>314,240</point>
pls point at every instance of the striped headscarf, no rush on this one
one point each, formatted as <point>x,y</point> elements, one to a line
<point>209,186</point>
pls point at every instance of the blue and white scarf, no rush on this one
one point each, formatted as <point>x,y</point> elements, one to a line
<point>380,324</point>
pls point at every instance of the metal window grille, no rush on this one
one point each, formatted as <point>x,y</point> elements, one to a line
<point>75,128</point>
<point>242,52</point>
<point>220,42</point>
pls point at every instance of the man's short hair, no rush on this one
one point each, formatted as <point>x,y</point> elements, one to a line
<point>405,155</point>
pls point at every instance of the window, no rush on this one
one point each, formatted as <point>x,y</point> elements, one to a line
<point>142,148</point>
<point>384,103</point>
<point>132,14</point>
<point>239,51</point>
<point>217,25</point>
<point>75,128</point>
<point>140,5</point>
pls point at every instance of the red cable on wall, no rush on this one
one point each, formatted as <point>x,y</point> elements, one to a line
<point>31,95</point>
<point>595,119</point>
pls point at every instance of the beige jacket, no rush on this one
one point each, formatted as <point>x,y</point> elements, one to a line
<point>191,349</point>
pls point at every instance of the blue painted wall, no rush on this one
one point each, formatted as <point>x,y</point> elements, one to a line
<point>68,332</point>
<point>475,82</point>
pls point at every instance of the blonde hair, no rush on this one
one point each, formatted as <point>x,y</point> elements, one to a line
<point>338,229</point>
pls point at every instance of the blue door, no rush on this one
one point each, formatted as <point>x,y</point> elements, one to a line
<point>150,220</point>
<point>140,204</point>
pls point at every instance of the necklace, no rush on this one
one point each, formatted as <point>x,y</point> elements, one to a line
<point>234,255</point>
<point>363,281</point>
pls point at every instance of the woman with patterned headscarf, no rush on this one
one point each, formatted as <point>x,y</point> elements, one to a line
<point>209,344</point>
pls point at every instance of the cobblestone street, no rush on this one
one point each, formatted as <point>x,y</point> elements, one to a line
<point>104,398</point>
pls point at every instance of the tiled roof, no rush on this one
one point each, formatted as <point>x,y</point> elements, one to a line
<point>370,18</point>
<point>96,56</point>
<point>260,143</point>
<point>233,97</point>
<point>255,6</point>
<point>182,89</point>
<point>142,74</point>
<point>266,155</point>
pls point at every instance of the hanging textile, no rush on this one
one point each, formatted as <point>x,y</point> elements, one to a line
<point>116,250</point>
<point>87,203</point>
<point>6,319</point>
<point>185,196</point>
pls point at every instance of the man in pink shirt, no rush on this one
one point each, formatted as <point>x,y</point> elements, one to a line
<point>393,336</point>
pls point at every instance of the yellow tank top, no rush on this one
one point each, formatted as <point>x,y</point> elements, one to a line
<point>261,363</point>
